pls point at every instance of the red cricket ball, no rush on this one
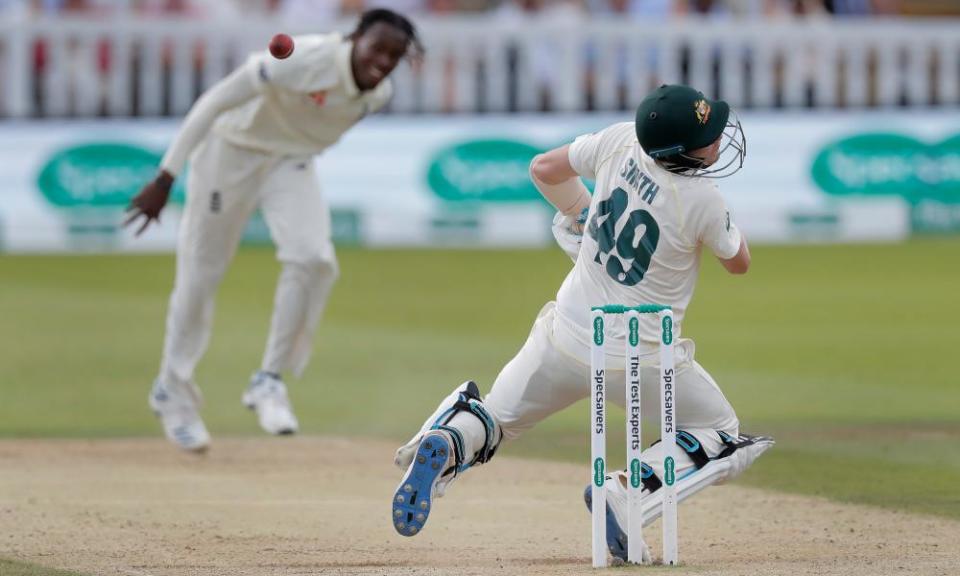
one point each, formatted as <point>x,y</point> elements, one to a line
<point>281,46</point>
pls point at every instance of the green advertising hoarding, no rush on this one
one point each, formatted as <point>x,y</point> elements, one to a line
<point>926,176</point>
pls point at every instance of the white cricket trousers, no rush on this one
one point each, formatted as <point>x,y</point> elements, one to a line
<point>225,185</point>
<point>552,371</point>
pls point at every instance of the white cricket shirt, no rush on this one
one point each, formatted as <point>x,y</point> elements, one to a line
<point>644,234</point>
<point>305,102</point>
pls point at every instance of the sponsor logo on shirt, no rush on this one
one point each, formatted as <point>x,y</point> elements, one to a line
<point>319,98</point>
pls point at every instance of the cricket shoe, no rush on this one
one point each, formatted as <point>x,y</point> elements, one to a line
<point>267,396</point>
<point>415,494</point>
<point>740,454</point>
<point>177,407</point>
<point>746,449</point>
<point>616,517</point>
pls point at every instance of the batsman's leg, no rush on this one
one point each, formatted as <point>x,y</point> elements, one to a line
<point>465,431</point>
<point>695,471</point>
<point>712,449</point>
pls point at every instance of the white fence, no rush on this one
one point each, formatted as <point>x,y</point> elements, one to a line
<point>124,66</point>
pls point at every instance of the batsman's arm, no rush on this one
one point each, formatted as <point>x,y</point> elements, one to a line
<point>715,227</point>
<point>558,182</point>
<point>740,263</point>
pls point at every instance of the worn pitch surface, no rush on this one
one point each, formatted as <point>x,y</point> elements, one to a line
<point>320,505</point>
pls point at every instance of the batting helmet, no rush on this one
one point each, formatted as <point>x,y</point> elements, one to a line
<point>674,120</point>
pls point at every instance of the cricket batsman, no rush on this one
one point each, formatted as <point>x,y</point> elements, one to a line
<point>655,209</point>
<point>251,141</point>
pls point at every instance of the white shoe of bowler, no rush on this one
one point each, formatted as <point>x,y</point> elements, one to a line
<point>267,396</point>
<point>177,405</point>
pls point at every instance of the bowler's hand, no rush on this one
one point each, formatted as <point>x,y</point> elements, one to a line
<point>150,201</point>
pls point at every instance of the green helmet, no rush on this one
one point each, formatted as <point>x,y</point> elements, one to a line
<point>673,120</point>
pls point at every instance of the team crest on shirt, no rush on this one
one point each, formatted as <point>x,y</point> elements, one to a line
<point>319,98</point>
<point>702,110</point>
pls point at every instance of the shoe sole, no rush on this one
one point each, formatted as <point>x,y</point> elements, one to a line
<point>616,537</point>
<point>411,503</point>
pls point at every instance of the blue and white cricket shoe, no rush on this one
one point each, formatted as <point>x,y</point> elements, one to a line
<point>416,492</point>
<point>177,406</point>
<point>742,453</point>
<point>616,518</point>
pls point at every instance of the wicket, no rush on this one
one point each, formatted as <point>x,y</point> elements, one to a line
<point>598,436</point>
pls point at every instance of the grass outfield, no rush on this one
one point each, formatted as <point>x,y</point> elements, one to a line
<point>12,568</point>
<point>841,352</point>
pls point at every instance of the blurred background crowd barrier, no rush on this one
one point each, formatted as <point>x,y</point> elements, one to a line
<point>849,107</point>
<point>150,58</point>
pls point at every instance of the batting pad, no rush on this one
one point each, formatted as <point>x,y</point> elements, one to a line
<point>691,483</point>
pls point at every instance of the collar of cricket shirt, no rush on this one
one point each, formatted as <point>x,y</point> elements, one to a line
<point>346,73</point>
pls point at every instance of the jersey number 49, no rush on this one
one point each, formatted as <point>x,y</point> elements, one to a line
<point>637,253</point>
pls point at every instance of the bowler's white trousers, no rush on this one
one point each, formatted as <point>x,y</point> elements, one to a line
<point>225,185</point>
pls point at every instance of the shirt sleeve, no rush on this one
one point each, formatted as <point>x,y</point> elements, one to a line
<point>311,68</point>
<point>584,154</point>
<point>232,91</point>
<point>717,229</point>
